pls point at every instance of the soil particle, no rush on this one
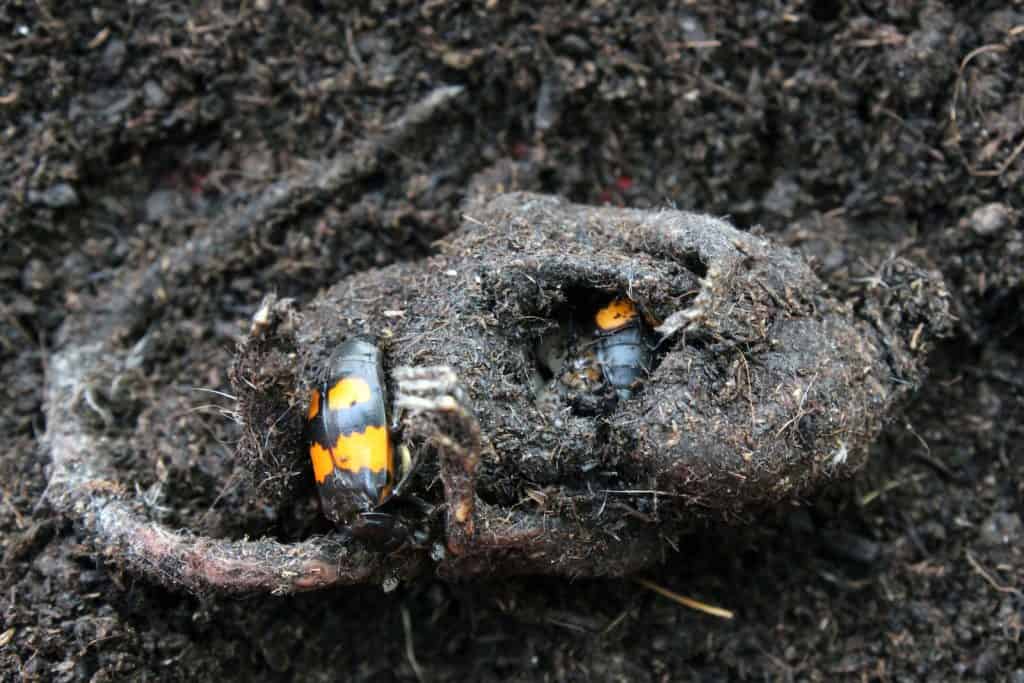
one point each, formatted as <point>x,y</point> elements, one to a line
<point>1002,528</point>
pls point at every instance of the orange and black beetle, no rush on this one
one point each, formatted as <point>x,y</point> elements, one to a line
<point>349,440</point>
<point>624,350</point>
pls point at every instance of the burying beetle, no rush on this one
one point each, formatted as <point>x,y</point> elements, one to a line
<point>351,447</point>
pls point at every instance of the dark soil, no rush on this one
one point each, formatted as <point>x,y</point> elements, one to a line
<point>165,169</point>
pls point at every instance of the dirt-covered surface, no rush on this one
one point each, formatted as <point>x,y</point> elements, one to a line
<point>165,168</point>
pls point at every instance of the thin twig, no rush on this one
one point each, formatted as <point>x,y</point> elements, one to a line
<point>986,173</point>
<point>990,579</point>
<point>927,458</point>
<point>685,601</point>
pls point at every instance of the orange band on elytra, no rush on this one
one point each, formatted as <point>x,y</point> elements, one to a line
<point>616,314</point>
<point>347,392</point>
<point>322,462</point>
<point>369,449</point>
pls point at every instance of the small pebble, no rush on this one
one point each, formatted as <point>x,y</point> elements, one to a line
<point>154,95</point>
<point>37,276</point>
<point>986,664</point>
<point>847,546</point>
<point>1001,528</point>
<point>990,218</point>
<point>56,196</point>
<point>113,58</point>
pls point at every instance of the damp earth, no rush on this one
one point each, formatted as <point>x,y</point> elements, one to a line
<point>812,422</point>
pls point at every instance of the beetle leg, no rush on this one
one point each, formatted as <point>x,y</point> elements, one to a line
<point>455,433</point>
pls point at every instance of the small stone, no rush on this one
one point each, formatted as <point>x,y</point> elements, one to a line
<point>933,532</point>
<point>853,547</point>
<point>987,663</point>
<point>1001,528</point>
<point>113,58</point>
<point>57,196</point>
<point>162,205</point>
<point>154,95</point>
<point>575,45</point>
<point>36,276</point>
<point>990,218</point>
<point>783,197</point>
<point>277,652</point>
<point>546,113</point>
